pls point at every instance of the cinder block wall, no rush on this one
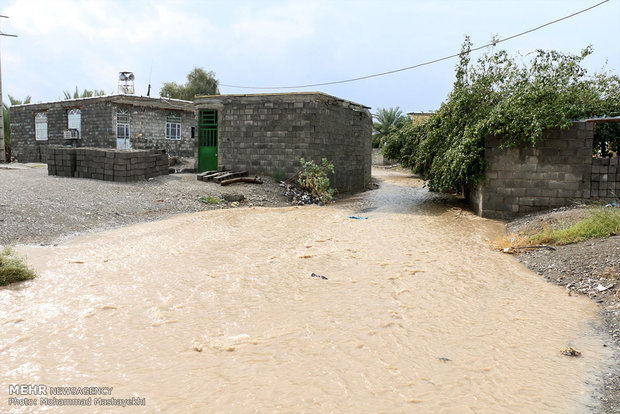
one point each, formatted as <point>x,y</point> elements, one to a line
<point>106,164</point>
<point>267,134</point>
<point>605,180</point>
<point>148,130</point>
<point>555,173</point>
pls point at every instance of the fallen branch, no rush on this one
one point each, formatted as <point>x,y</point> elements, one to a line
<point>255,180</point>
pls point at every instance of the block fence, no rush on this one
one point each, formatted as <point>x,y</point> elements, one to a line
<point>106,164</point>
<point>556,172</point>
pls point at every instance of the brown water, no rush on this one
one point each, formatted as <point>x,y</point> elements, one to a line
<point>218,312</point>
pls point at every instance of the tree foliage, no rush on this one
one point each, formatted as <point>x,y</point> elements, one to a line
<point>199,82</point>
<point>6,115</point>
<point>85,94</point>
<point>388,121</point>
<point>500,96</point>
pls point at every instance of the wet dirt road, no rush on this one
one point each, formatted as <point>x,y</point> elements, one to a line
<point>220,312</point>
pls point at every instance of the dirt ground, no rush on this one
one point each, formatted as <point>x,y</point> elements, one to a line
<point>39,209</point>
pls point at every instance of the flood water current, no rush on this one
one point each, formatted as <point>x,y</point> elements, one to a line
<point>301,309</point>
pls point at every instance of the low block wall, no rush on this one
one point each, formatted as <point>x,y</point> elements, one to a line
<point>557,172</point>
<point>379,159</point>
<point>106,164</point>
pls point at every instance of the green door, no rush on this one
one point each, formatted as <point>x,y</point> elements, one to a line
<point>207,140</point>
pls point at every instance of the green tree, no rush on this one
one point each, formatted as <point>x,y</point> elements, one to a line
<point>85,94</point>
<point>388,120</point>
<point>7,123</point>
<point>500,96</point>
<point>199,82</point>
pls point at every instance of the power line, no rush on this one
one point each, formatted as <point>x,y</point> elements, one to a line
<point>430,62</point>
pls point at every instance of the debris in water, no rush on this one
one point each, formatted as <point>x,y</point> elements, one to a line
<point>570,351</point>
<point>444,359</point>
<point>318,276</point>
<point>358,218</point>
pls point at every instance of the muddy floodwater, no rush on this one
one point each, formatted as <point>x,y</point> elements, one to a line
<point>302,309</point>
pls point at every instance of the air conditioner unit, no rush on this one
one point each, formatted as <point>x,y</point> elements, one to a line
<point>72,133</point>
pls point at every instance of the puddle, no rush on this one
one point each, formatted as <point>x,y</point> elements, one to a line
<point>408,311</point>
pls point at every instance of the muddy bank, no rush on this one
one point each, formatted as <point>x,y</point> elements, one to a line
<point>39,209</point>
<point>590,268</point>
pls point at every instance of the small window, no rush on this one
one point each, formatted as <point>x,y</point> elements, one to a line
<point>173,126</point>
<point>40,126</point>
<point>74,120</point>
<point>122,124</point>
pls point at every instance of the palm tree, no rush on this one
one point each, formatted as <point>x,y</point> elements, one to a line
<point>85,94</point>
<point>388,120</point>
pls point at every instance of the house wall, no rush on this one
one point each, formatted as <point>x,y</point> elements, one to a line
<point>148,130</point>
<point>147,127</point>
<point>268,134</point>
<point>557,172</point>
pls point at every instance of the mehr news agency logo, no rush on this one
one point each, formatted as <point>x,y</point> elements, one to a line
<point>44,395</point>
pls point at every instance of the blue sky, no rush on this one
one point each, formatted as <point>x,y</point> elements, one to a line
<point>67,43</point>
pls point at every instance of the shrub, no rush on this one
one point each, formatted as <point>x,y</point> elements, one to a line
<point>315,179</point>
<point>12,268</point>
<point>210,200</point>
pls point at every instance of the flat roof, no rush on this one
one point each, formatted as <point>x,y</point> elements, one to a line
<point>242,95</point>
<point>118,97</point>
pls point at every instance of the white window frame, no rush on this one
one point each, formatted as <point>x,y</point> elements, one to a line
<point>173,127</point>
<point>40,126</point>
<point>74,120</point>
<point>123,121</point>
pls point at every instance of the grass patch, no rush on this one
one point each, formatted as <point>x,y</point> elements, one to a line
<point>12,268</point>
<point>210,200</point>
<point>602,222</point>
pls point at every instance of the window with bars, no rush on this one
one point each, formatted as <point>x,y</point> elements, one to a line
<point>74,120</point>
<point>173,126</point>
<point>40,126</point>
<point>122,124</point>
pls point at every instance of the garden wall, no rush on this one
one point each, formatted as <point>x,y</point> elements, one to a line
<point>557,172</point>
<point>106,164</point>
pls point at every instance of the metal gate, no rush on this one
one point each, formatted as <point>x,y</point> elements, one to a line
<point>207,140</point>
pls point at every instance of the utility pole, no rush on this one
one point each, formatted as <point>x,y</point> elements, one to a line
<point>2,151</point>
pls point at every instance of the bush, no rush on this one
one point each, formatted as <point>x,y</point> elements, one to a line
<point>315,179</point>
<point>12,268</point>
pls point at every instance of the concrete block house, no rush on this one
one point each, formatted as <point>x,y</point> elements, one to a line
<point>115,121</point>
<point>269,133</point>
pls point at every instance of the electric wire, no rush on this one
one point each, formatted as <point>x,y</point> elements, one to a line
<point>430,62</point>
